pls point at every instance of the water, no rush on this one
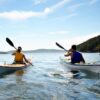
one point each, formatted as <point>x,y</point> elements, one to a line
<point>48,79</point>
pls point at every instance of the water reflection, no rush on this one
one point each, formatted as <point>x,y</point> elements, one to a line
<point>19,72</point>
<point>4,74</point>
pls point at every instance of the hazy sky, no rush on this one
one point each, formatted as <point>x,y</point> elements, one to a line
<point>35,24</point>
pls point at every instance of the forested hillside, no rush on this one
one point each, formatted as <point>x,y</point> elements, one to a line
<point>91,45</point>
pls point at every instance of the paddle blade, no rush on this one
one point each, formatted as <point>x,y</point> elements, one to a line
<point>60,46</point>
<point>10,42</point>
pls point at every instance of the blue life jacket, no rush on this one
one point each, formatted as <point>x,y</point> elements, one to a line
<point>77,57</point>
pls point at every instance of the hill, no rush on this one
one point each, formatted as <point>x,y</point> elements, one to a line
<point>36,51</point>
<point>46,50</point>
<point>42,51</point>
<point>91,45</point>
<point>1,52</point>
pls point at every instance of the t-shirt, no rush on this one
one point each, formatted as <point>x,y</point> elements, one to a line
<point>76,58</point>
<point>19,57</point>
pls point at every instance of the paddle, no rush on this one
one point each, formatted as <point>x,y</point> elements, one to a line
<point>12,44</point>
<point>61,46</point>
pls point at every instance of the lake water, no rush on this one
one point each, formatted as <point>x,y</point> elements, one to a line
<point>48,79</point>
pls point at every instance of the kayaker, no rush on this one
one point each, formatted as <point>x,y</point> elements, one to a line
<point>76,57</point>
<point>20,57</point>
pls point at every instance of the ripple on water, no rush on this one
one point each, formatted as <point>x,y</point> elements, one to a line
<point>48,80</point>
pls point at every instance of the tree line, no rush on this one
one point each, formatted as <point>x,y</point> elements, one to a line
<point>91,45</point>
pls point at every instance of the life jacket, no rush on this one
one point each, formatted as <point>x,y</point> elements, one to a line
<point>19,57</point>
<point>76,57</point>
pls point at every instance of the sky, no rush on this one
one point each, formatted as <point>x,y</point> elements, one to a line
<point>38,24</point>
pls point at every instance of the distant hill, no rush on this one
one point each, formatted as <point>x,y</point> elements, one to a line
<point>91,45</point>
<point>36,51</point>
<point>42,51</point>
<point>45,50</point>
<point>1,52</point>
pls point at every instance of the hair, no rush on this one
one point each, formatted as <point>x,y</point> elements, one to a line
<point>73,47</point>
<point>19,49</point>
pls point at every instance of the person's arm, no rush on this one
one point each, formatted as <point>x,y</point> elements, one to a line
<point>27,60</point>
<point>69,53</point>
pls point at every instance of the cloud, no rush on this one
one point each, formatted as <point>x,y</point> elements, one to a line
<point>93,2</point>
<point>74,7</point>
<point>57,6</point>
<point>63,18</point>
<point>47,11</point>
<point>19,15</point>
<point>71,15</point>
<point>2,2</point>
<point>59,32</point>
<point>92,35</point>
<point>22,15</point>
<point>60,4</point>
<point>82,38</point>
<point>36,2</point>
<point>76,40</point>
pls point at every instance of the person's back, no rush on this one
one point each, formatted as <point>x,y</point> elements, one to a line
<point>19,56</point>
<point>77,57</point>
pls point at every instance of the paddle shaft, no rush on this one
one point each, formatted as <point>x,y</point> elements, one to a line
<point>60,46</point>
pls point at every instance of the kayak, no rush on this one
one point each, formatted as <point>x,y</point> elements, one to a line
<point>6,68</point>
<point>81,66</point>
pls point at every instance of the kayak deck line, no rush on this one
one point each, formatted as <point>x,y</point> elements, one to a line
<point>14,65</point>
